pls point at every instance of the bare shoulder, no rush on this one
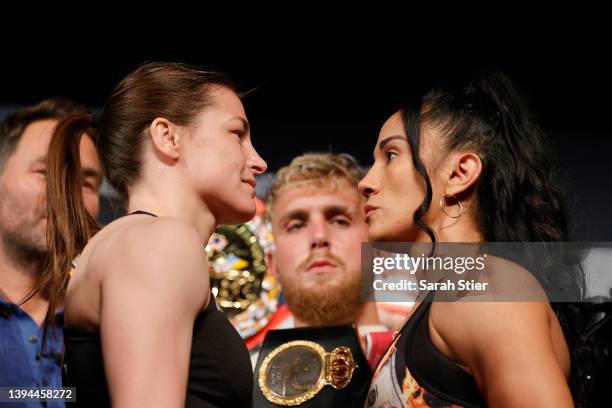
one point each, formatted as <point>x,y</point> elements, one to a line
<point>480,318</point>
<point>159,234</point>
<point>512,281</point>
<point>133,259</point>
<point>149,241</point>
<point>495,340</point>
<point>162,254</point>
<point>513,298</point>
<point>154,285</point>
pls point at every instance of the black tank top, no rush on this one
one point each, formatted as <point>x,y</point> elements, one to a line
<point>414,372</point>
<point>220,372</point>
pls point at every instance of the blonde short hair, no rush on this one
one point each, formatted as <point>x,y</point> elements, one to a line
<point>317,169</point>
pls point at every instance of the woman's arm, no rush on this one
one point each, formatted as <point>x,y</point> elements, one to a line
<point>507,347</point>
<point>154,288</point>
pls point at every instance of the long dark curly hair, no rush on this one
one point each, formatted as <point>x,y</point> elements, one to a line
<point>518,196</point>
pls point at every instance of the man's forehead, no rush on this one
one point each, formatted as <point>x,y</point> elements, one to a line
<point>41,127</point>
<point>34,142</point>
<point>314,197</point>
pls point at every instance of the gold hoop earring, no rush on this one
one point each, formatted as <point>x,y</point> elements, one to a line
<point>458,202</point>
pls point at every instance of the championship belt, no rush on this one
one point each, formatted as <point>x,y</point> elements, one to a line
<point>311,367</point>
<point>243,289</point>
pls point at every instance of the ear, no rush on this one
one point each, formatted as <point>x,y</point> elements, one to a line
<point>271,264</point>
<point>165,138</point>
<point>465,169</point>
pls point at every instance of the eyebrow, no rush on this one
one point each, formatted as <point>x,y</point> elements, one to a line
<point>390,138</point>
<point>334,210</point>
<point>294,214</point>
<point>87,171</point>
<point>245,123</point>
<point>90,172</point>
<point>328,211</point>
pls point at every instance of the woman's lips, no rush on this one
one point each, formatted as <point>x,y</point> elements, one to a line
<point>368,209</point>
<point>251,182</point>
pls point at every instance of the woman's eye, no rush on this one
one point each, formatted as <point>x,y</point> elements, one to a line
<point>390,156</point>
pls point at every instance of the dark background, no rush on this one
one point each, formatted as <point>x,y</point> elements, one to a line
<point>334,91</point>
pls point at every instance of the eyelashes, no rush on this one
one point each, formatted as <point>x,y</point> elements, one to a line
<point>297,225</point>
<point>390,155</point>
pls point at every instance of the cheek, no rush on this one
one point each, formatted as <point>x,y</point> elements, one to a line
<point>351,249</point>
<point>399,183</point>
<point>405,192</point>
<point>20,202</point>
<point>220,169</point>
<point>228,152</point>
<point>350,238</point>
<point>289,253</point>
<point>92,202</point>
<point>31,190</point>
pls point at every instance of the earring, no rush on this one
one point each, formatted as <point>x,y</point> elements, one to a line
<point>458,202</point>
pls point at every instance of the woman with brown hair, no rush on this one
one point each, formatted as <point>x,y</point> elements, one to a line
<point>141,328</point>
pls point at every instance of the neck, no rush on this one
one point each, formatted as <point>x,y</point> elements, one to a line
<point>463,229</point>
<point>367,316</point>
<point>18,277</point>
<point>165,201</point>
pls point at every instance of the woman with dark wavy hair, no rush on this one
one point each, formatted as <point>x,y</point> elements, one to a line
<point>468,163</point>
<point>141,326</point>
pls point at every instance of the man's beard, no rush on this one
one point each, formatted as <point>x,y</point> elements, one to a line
<point>323,304</point>
<point>24,247</point>
<point>19,231</point>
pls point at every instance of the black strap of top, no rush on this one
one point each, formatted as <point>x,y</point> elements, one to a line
<point>432,369</point>
<point>142,212</point>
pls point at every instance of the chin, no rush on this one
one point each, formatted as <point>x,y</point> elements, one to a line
<point>379,238</point>
<point>375,233</point>
<point>238,215</point>
<point>378,233</point>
